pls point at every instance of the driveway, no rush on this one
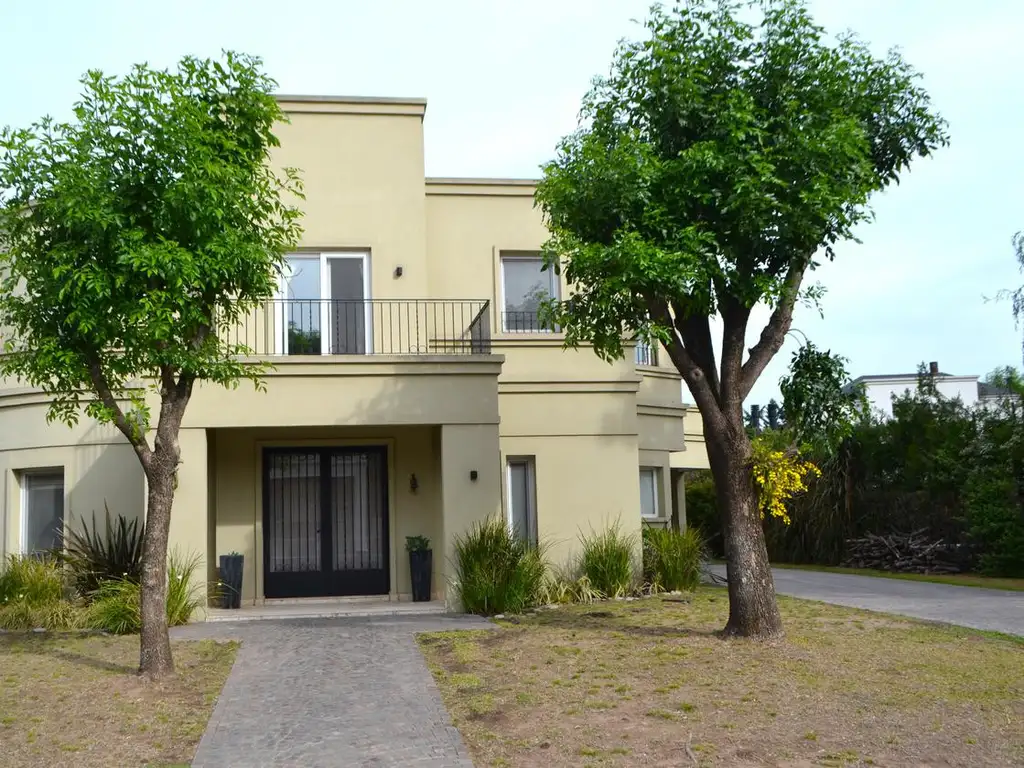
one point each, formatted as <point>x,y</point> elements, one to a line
<point>330,692</point>
<point>993,609</point>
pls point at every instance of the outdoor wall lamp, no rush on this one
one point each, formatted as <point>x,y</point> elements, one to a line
<point>398,271</point>
<point>413,483</point>
<point>473,475</point>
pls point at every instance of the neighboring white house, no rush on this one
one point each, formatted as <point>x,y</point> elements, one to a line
<point>880,389</point>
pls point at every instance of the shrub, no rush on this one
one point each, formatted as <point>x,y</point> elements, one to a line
<point>607,560</point>
<point>57,615</point>
<point>673,559</point>
<point>495,571</point>
<point>116,605</point>
<point>93,558</point>
<point>31,580</point>
<point>560,588</point>
<point>32,594</point>
<point>182,595</point>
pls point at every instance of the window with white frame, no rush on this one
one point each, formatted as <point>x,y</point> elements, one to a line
<point>646,353</point>
<point>42,510</point>
<point>649,477</point>
<point>324,307</point>
<point>522,498</point>
<point>525,286</point>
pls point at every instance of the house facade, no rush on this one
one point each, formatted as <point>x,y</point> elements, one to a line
<point>880,389</point>
<point>415,391</point>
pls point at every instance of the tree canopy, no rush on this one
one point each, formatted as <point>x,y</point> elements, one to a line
<point>713,165</point>
<point>131,231</point>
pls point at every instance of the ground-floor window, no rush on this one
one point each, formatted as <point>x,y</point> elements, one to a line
<point>42,505</point>
<point>522,498</point>
<point>649,477</point>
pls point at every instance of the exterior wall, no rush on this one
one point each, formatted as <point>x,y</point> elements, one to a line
<point>362,168</point>
<point>695,453</point>
<point>584,483</point>
<point>100,469</point>
<point>589,425</point>
<point>881,391</point>
<point>238,494</point>
<point>315,391</point>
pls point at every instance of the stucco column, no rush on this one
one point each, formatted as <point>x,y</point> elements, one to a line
<point>679,497</point>
<point>465,450</point>
<point>189,514</point>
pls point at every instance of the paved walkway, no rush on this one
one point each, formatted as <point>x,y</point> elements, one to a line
<point>993,609</point>
<point>330,692</point>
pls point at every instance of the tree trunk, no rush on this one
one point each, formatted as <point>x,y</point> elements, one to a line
<point>155,643</point>
<point>753,611</point>
<point>162,474</point>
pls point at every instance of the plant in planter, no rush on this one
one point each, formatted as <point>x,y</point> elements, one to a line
<point>421,566</point>
<point>231,566</point>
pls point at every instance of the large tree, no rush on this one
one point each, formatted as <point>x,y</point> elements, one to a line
<point>127,236</point>
<point>720,159</point>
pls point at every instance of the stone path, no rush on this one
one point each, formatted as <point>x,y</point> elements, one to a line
<point>330,692</point>
<point>992,609</point>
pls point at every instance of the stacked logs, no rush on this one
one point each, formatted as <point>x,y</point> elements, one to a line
<point>904,553</point>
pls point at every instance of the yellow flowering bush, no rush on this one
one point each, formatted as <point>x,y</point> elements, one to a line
<point>779,476</point>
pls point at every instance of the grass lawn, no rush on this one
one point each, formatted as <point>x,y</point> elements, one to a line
<point>650,683</point>
<point>75,700</point>
<point>957,579</point>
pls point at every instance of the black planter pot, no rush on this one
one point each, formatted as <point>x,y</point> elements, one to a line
<point>231,581</point>
<point>421,565</point>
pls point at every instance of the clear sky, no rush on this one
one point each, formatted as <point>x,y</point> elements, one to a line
<point>504,78</point>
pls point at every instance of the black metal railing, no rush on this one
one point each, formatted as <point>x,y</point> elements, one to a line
<point>365,327</point>
<point>646,354</point>
<point>527,322</point>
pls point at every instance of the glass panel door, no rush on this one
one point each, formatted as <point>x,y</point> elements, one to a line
<point>348,306</point>
<point>325,522</point>
<point>301,304</point>
<point>293,512</point>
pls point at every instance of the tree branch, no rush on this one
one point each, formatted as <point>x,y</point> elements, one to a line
<point>138,442</point>
<point>774,333</point>
<point>734,320</point>
<point>692,373</point>
<point>695,331</point>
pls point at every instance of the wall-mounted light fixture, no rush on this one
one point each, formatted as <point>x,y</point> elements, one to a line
<point>398,271</point>
<point>473,475</point>
<point>413,483</point>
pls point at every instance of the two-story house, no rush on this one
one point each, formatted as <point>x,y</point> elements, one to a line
<point>414,390</point>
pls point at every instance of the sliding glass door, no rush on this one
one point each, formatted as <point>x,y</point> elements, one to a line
<point>324,308</point>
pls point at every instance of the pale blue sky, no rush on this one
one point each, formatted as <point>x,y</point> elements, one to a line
<point>504,77</point>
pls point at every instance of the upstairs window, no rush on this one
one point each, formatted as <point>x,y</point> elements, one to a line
<point>525,286</point>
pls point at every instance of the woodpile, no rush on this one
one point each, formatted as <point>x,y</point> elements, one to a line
<point>904,553</point>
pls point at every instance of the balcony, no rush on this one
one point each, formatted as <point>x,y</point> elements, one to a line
<point>529,321</point>
<point>285,327</point>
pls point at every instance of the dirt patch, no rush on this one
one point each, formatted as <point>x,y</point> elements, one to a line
<point>651,683</point>
<point>76,701</point>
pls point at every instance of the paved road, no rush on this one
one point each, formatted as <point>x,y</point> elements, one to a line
<point>330,692</point>
<point>993,609</point>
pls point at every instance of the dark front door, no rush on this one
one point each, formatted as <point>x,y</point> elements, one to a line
<point>325,522</point>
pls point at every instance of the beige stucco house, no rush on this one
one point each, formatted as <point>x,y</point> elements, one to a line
<point>415,390</point>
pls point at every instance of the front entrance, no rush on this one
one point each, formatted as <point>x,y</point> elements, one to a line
<point>325,522</point>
